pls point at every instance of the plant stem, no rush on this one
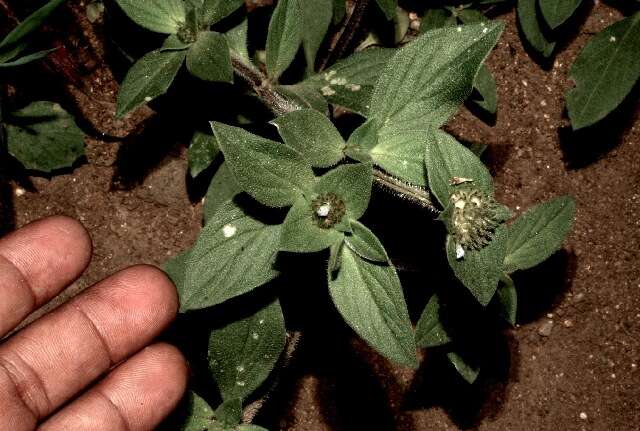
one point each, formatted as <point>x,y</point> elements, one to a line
<point>280,104</point>
<point>347,34</point>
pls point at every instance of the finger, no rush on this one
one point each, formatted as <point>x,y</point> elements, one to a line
<point>36,262</point>
<point>137,395</point>
<point>45,364</point>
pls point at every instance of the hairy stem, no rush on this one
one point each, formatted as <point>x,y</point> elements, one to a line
<point>347,34</point>
<point>280,104</point>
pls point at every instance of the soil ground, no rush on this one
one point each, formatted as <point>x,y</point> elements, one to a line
<point>582,376</point>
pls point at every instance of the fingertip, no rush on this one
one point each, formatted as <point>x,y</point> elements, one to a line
<point>154,287</point>
<point>168,366</point>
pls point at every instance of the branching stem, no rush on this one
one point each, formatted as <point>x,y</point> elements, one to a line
<point>280,104</point>
<point>347,34</point>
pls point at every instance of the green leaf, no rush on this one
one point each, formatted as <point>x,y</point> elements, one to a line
<point>555,12</point>
<point>471,16</point>
<point>388,7</point>
<point>507,299</point>
<point>429,330</point>
<point>305,96</point>
<point>216,10</point>
<point>29,25</point>
<point>480,270</point>
<point>467,371</point>
<point>316,18</point>
<point>237,39</point>
<point>200,416</point>
<point>149,78</point>
<point>447,158</point>
<point>202,151</point>
<point>538,233</point>
<point>44,137</point>
<point>274,174</point>
<point>161,16</point>
<point>531,27</point>
<point>362,140</point>
<point>209,59</point>
<point>173,43</point>
<point>335,257</point>
<point>223,188</point>
<point>352,184</point>
<point>176,269</point>
<point>604,72</point>
<point>284,37</point>
<point>402,155</point>
<point>350,82</point>
<point>313,135</point>
<point>365,244</point>
<point>369,298</point>
<point>243,353</point>
<point>486,86</point>
<point>301,233</point>
<point>427,80</point>
<point>244,427</point>
<point>26,59</point>
<point>436,18</point>
<point>229,413</point>
<point>233,255</point>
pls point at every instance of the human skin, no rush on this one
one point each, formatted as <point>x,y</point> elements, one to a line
<point>91,364</point>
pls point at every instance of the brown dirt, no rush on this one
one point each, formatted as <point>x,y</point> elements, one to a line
<point>583,376</point>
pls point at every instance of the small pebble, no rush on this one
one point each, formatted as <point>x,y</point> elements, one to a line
<point>545,329</point>
<point>583,416</point>
<point>568,323</point>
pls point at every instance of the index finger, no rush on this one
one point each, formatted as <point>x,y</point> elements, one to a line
<point>37,262</point>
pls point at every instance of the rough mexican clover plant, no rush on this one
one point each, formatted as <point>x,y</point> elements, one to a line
<point>322,183</point>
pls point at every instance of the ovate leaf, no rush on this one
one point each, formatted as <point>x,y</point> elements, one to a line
<point>369,297</point>
<point>429,331</point>
<point>538,233</point>
<point>555,12</point>
<point>427,80</point>
<point>305,97</point>
<point>274,174</point>
<point>176,269</point>
<point>301,233</point>
<point>29,25</point>
<point>436,18</point>
<point>402,156</point>
<point>284,37</point>
<point>604,72</point>
<point>161,16</point>
<point>234,254</point>
<point>316,18</point>
<point>229,414</point>
<point>237,39</point>
<point>352,184</point>
<point>446,158</point>
<point>216,10</point>
<point>313,135</point>
<point>486,86</point>
<point>350,82</point>
<point>480,270</point>
<point>530,24</point>
<point>467,371</point>
<point>507,299</point>
<point>44,137</point>
<point>365,244</point>
<point>200,416</point>
<point>202,151</point>
<point>223,188</point>
<point>209,59</point>
<point>244,352</point>
<point>149,78</point>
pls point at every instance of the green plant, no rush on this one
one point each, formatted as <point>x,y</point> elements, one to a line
<point>41,136</point>
<point>604,73</point>
<point>308,193</point>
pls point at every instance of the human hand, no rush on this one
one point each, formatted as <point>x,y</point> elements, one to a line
<point>47,369</point>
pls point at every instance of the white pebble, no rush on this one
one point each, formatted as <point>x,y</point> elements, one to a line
<point>583,416</point>
<point>612,39</point>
